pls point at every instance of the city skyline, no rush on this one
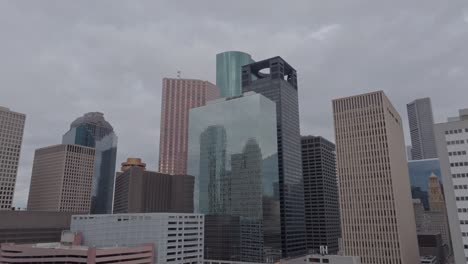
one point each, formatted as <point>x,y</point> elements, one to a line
<point>125,93</point>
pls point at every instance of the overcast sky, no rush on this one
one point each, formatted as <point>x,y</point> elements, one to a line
<point>60,59</point>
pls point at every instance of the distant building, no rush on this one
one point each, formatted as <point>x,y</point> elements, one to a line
<point>23,227</point>
<point>69,250</point>
<point>92,130</point>
<point>178,238</point>
<point>374,181</point>
<point>11,138</point>
<point>431,247</point>
<point>178,97</point>
<point>228,72</point>
<point>140,191</point>
<point>133,162</point>
<point>452,148</point>
<point>428,199</point>
<point>61,180</point>
<point>320,194</point>
<point>275,79</point>
<point>421,124</point>
<point>233,156</point>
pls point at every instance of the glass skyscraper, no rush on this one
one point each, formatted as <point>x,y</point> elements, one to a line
<point>233,155</point>
<point>228,72</point>
<point>92,130</point>
<point>275,79</point>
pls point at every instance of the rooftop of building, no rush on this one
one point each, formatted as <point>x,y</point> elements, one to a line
<point>95,118</point>
<point>462,116</point>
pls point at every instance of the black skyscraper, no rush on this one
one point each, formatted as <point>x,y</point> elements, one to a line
<point>280,86</point>
<point>322,206</point>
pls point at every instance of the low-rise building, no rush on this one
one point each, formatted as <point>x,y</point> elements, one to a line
<point>178,237</point>
<point>32,227</point>
<point>70,251</point>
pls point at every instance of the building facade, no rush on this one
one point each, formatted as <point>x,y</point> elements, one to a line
<point>70,250</point>
<point>452,147</point>
<point>321,200</point>
<point>24,227</point>
<point>374,181</point>
<point>140,191</point>
<point>178,97</point>
<point>11,138</point>
<point>61,179</point>
<point>233,156</point>
<point>280,86</point>
<point>92,130</point>
<point>228,72</point>
<point>421,124</point>
<point>178,238</point>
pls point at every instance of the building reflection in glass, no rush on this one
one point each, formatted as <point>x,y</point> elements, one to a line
<point>233,156</point>
<point>92,130</point>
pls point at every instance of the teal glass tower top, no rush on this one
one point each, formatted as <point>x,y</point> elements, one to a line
<point>228,72</point>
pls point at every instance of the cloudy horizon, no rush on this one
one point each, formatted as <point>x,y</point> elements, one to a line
<point>61,59</point>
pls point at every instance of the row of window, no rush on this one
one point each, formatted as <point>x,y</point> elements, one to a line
<point>463,222</point>
<point>457,153</point>
<point>460,187</point>
<point>462,210</point>
<point>459,164</point>
<point>460,175</point>
<point>456,142</point>
<point>455,131</point>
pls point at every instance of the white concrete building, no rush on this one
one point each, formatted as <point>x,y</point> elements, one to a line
<point>178,237</point>
<point>318,259</point>
<point>11,138</point>
<point>452,149</point>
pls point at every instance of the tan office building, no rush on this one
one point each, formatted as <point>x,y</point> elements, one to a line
<point>61,179</point>
<point>377,216</point>
<point>11,137</point>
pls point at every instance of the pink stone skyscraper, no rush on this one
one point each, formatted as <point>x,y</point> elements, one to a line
<point>178,97</point>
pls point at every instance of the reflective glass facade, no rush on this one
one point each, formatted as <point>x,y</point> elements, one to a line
<point>280,86</point>
<point>419,172</point>
<point>233,155</point>
<point>228,72</point>
<point>92,130</point>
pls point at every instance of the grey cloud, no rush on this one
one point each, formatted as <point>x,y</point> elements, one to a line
<point>62,59</point>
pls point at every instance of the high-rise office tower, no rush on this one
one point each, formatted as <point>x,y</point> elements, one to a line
<point>140,191</point>
<point>452,148</point>
<point>11,137</point>
<point>233,156</point>
<point>321,201</point>
<point>61,179</point>
<point>228,72</point>
<point>280,86</point>
<point>377,222</point>
<point>178,97</point>
<point>92,130</point>
<point>421,124</point>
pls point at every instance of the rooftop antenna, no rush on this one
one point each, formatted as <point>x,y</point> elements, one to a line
<point>178,74</point>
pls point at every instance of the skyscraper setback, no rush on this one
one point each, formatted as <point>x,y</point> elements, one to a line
<point>322,207</point>
<point>178,97</point>
<point>421,124</point>
<point>11,138</point>
<point>92,130</point>
<point>280,86</point>
<point>375,199</point>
